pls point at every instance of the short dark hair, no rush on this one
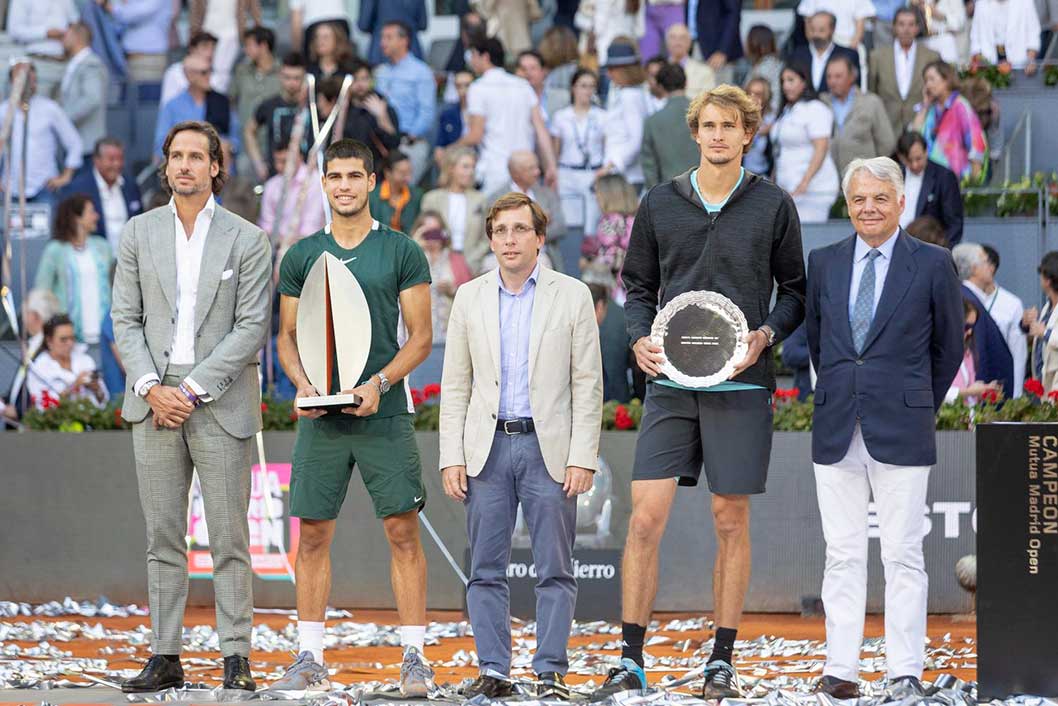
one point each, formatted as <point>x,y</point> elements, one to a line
<point>395,157</point>
<point>97,150</point>
<point>992,255</point>
<point>357,65</point>
<point>514,200</point>
<point>929,230</point>
<point>261,35</point>
<point>656,59</point>
<point>672,77</point>
<point>66,214</point>
<point>805,73</point>
<point>216,154</point>
<point>55,322</point>
<point>854,69</point>
<point>533,53</point>
<point>1048,268</point>
<point>348,148</point>
<point>909,139</point>
<point>905,10</point>
<point>201,38</point>
<point>330,87</point>
<point>576,77</point>
<point>294,59</point>
<point>405,29</point>
<point>491,47</point>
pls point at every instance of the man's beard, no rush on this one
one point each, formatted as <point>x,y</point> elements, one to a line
<point>719,159</point>
<point>188,190</point>
<point>351,211</point>
<point>820,43</point>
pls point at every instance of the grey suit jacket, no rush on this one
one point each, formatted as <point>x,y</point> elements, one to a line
<point>668,149</point>
<point>866,132</point>
<point>85,100</point>
<point>232,308</point>
<point>881,81</point>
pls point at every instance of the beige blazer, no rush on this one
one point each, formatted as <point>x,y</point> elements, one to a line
<point>565,374</point>
<point>475,245</point>
<point>866,132</point>
<point>881,81</point>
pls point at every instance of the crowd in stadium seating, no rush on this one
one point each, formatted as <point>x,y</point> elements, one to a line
<point>583,115</point>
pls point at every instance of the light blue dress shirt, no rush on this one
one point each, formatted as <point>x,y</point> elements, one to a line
<point>516,320</point>
<point>841,108</point>
<point>145,25</point>
<point>885,9</point>
<point>410,88</point>
<point>881,269</point>
<point>183,107</point>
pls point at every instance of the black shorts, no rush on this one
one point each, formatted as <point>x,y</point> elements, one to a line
<point>726,433</point>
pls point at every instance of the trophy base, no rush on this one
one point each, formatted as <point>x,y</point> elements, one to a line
<point>331,404</point>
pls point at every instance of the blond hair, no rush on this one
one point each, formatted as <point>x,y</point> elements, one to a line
<point>449,159</point>
<point>727,97</point>
<point>615,195</point>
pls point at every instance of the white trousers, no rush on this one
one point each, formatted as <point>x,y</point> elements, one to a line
<point>844,490</point>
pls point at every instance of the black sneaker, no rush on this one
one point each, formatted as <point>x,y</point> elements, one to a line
<point>721,681</point>
<point>551,685</point>
<point>628,677</point>
<point>490,687</point>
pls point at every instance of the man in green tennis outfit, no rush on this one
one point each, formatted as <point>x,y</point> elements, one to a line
<point>378,436</point>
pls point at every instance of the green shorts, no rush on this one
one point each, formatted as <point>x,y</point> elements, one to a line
<point>384,450</point>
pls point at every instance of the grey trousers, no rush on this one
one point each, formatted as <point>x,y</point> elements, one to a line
<point>165,459</point>
<point>515,473</point>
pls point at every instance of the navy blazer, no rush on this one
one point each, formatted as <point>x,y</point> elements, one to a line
<point>84,183</point>
<point>718,28</point>
<point>802,56</point>
<point>994,361</point>
<point>941,199</point>
<point>912,353</point>
<point>451,125</point>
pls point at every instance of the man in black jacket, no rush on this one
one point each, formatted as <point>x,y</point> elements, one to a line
<point>726,230</point>
<point>931,189</point>
<point>816,55</point>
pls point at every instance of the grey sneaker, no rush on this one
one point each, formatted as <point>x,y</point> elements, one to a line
<point>721,682</point>
<point>416,676</point>
<point>306,674</point>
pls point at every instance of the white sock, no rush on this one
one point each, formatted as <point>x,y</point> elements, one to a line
<point>310,639</point>
<point>413,636</point>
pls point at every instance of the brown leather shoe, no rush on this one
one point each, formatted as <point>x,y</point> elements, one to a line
<point>838,688</point>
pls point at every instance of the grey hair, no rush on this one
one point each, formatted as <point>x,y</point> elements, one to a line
<point>967,256</point>
<point>43,302</point>
<point>881,168</point>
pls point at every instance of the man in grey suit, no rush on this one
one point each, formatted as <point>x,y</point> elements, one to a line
<point>83,91</point>
<point>668,149</point>
<point>524,168</point>
<point>895,73</point>
<point>190,309</point>
<point>861,129</point>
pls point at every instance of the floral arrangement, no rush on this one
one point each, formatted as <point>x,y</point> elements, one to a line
<point>999,75</point>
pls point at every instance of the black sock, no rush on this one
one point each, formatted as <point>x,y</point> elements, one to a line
<point>632,642</point>
<point>723,644</point>
<point>172,659</point>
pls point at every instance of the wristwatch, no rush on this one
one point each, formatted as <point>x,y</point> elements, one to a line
<point>383,383</point>
<point>768,333</point>
<point>147,388</point>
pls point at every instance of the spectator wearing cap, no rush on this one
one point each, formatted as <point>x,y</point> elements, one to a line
<point>84,86</point>
<point>225,20</point>
<point>700,76</point>
<point>376,15</point>
<point>861,129</point>
<point>668,149</point>
<point>115,197</point>
<point>202,45</point>
<point>408,84</point>
<point>627,108</point>
<point>717,24</point>
<point>504,116</point>
<point>929,189</point>
<point>49,130</point>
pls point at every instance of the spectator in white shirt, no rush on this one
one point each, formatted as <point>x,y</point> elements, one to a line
<point>851,18</point>
<point>628,105</point>
<point>49,129</point>
<point>1006,30</point>
<point>225,20</point>
<point>982,263</point>
<point>577,131</point>
<point>174,82</point>
<point>944,20</point>
<point>37,27</point>
<point>306,16</point>
<point>504,116</point>
<point>62,371</point>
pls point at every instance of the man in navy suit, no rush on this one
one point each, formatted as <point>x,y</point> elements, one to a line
<point>885,331</point>
<point>717,23</point>
<point>116,199</point>
<point>817,54</point>
<point>931,189</point>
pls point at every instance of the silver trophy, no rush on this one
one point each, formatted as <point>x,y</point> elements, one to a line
<point>702,337</point>
<point>334,330</point>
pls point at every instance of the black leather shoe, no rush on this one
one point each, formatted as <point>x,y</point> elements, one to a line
<point>491,687</point>
<point>908,683</point>
<point>158,675</point>
<point>551,685</point>
<point>237,674</point>
<point>838,688</point>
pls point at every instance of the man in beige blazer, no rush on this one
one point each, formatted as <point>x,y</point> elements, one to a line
<point>474,245</point>
<point>895,71</point>
<point>521,408</point>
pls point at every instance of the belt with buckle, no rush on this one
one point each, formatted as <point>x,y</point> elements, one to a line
<point>510,427</point>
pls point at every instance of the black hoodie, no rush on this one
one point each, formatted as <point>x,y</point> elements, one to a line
<point>750,246</point>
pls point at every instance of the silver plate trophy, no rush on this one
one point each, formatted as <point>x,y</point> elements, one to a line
<point>334,328</point>
<point>702,336</point>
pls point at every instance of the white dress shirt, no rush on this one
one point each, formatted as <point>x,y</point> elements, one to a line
<point>506,102</point>
<point>88,293</point>
<point>881,269</point>
<point>28,22</point>
<point>819,64</point>
<point>115,212</point>
<point>1006,310</point>
<point>188,266</point>
<point>49,127</point>
<point>912,189</point>
<point>905,67</point>
<point>846,13</point>
<point>580,137</point>
<point>457,219</point>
